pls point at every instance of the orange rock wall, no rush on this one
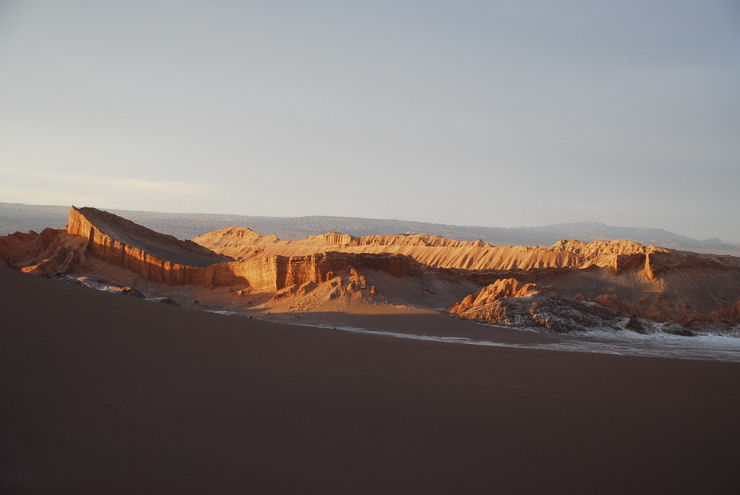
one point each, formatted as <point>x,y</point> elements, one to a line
<point>132,258</point>
<point>439,252</point>
<point>266,273</point>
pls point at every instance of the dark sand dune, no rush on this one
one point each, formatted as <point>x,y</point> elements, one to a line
<point>106,394</point>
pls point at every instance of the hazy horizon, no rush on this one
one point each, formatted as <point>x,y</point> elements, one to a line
<point>489,114</point>
<point>121,211</point>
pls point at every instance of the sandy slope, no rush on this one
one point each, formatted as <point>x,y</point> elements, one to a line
<point>110,394</point>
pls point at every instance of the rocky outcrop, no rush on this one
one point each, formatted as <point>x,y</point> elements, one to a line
<point>106,231</point>
<point>348,284</point>
<point>510,303</point>
<point>501,289</point>
<point>50,252</point>
<point>154,256</point>
<point>513,303</point>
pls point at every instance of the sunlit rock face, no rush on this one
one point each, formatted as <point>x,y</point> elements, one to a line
<point>570,284</point>
<point>511,303</point>
<point>439,252</point>
<point>154,256</point>
<point>49,252</point>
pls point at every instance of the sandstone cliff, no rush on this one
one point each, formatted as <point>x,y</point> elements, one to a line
<point>606,277</point>
<point>440,252</point>
<point>624,276</point>
<point>154,256</point>
<point>163,259</point>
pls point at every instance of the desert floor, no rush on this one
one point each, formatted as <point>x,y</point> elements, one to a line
<point>102,393</point>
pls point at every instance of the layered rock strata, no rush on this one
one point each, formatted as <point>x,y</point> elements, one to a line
<point>596,279</point>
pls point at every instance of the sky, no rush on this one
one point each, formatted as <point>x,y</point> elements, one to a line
<point>491,113</point>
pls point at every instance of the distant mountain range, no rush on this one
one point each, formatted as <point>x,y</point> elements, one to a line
<point>20,217</point>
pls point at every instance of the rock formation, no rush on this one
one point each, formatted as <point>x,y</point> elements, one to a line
<point>154,256</point>
<point>511,303</point>
<point>51,251</point>
<point>568,285</point>
<point>440,252</point>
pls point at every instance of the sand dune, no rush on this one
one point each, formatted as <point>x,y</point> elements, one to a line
<point>105,393</point>
<point>109,394</point>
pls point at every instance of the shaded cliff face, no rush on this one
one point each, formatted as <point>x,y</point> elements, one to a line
<point>391,277</point>
<point>278,272</point>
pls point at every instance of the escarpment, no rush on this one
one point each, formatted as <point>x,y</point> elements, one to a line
<point>164,259</point>
<point>570,284</point>
<point>154,256</point>
<point>105,230</point>
<point>439,252</point>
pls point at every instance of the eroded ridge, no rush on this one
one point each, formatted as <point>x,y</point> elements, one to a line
<point>570,285</point>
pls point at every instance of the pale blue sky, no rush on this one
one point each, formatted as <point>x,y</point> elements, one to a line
<point>486,113</point>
